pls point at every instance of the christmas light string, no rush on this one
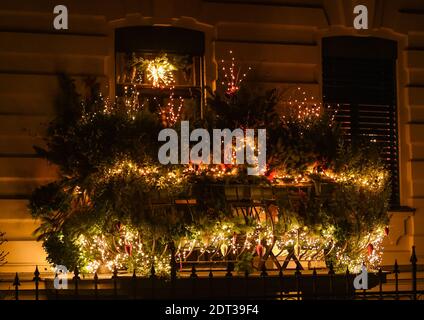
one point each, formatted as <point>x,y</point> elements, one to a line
<point>233,75</point>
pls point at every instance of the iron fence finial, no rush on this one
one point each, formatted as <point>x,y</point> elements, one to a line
<point>193,271</point>
<point>36,274</point>
<point>264,272</point>
<point>76,274</point>
<point>413,259</point>
<point>152,271</point>
<point>331,269</point>
<point>396,267</point>
<point>16,282</point>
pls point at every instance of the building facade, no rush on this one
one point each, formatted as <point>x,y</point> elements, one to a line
<point>282,41</point>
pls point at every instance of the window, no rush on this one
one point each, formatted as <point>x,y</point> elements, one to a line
<point>164,66</point>
<point>359,78</point>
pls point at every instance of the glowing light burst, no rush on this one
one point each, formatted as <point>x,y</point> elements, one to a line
<point>233,75</point>
<point>160,71</point>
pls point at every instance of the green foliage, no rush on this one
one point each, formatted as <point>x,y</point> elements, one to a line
<point>110,177</point>
<point>81,149</point>
<point>294,148</point>
<point>62,250</point>
<point>245,263</point>
<point>246,109</point>
<point>291,144</point>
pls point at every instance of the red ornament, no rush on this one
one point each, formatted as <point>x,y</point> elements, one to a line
<point>259,249</point>
<point>370,248</point>
<point>128,249</point>
<point>271,175</point>
<point>386,231</point>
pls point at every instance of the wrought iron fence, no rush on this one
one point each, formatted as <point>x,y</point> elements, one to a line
<point>224,284</point>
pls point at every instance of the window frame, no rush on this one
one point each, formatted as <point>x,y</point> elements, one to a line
<point>168,39</point>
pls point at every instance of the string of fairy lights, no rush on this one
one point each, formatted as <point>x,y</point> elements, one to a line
<point>127,250</point>
<point>233,75</point>
<point>154,176</point>
<point>296,104</point>
<point>222,242</point>
<point>171,112</point>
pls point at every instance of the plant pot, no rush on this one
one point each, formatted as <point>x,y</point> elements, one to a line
<point>261,193</point>
<point>237,192</point>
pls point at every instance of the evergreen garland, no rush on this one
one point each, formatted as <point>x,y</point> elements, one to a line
<point>106,209</point>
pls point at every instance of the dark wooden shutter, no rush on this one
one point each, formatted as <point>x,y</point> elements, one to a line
<point>359,75</point>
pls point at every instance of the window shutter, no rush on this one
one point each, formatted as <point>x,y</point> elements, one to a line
<point>361,84</point>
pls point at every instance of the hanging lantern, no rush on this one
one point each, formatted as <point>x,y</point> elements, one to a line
<point>259,249</point>
<point>370,248</point>
<point>224,249</point>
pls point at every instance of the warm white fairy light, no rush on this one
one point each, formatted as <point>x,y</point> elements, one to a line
<point>171,112</point>
<point>371,259</point>
<point>296,106</point>
<point>224,241</point>
<point>154,176</point>
<point>233,75</point>
<point>160,71</point>
<point>131,100</point>
<point>373,179</point>
<point>116,256</point>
